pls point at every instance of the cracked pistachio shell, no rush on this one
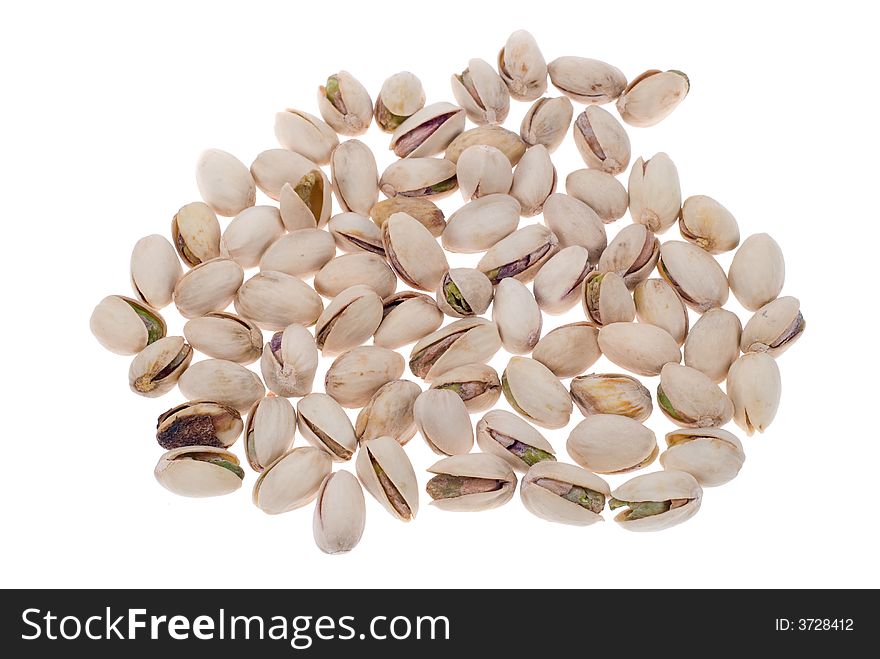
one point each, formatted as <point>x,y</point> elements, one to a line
<point>443,422</point>
<point>534,392</point>
<point>605,299</point>
<point>611,444</point>
<point>345,104</point>
<point>517,316</point>
<point>471,482</point>
<point>574,223</point>
<point>349,320</point>
<point>711,455</point>
<point>465,341</point>
<point>355,176</point>
<point>274,168</point>
<point>126,326</point>
<point>349,270</point>
<point>569,350</point>
<point>354,376</point>
<point>156,369</point>
<point>292,481</point>
<point>325,425</point>
<point>655,193</point>
<point>223,382</point>
<point>482,93</point>
<point>199,471</point>
<point>658,304</point>
<point>431,178</point>
<point>774,327</point>
<point>522,67</point>
<point>268,433</point>
<point>543,493</point>
<point>289,362</point>
<point>223,335</point>
<point>424,210</point>
<point>659,487</point>
<point>199,423</point>
<point>483,170</point>
<point>389,412</point>
<point>195,232</point>
<point>401,96</point>
<point>210,286</point>
<point>712,345</point>
<point>413,252</point>
<point>689,398</point>
<point>155,270</point>
<point>708,224</point>
<point>519,255</point>
<point>387,474</point>
<point>757,271</point>
<point>694,274</point>
<point>611,393</point>
<point>354,233</point>
<point>754,385</point>
<point>504,434</point>
<point>250,233</point>
<point>274,300</point>
<point>652,96</point>
<point>508,142</point>
<point>481,223</point>
<point>340,513</point>
<point>633,254</point>
<point>559,280</point>
<point>429,131</point>
<point>224,182</point>
<point>534,179</point>
<point>478,385</point>
<point>587,80</point>
<point>306,203</point>
<point>464,292</point>
<point>306,135</point>
<point>600,191</point>
<point>547,122</point>
<point>300,253</point>
<point>639,348</point>
<point>406,317</point>
<point>601,140</point>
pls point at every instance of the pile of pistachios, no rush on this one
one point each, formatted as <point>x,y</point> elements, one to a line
<point>374,278</point>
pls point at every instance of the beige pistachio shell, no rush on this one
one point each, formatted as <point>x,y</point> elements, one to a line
<point>482,93</point>
<point>711,455</point>
<point>210,286</point>
<point>659,486</point>
<point>325,425</point>
<point>443,422</point>
<point>774,327</point>
<point>199,423</point>
<point>351,269</point>
<point>708,224</point>
<point>406,318</point>
<point>461,483</point>
<point>195,232</point>
<point>355,176</point>
<point>429,131</point>
<point>465,341</point>
<point>483,170</point>
<point>354,233</point>
<point>222,381</point>
<point>754,386</point>
<point>522,66</point>
<point>349,320</point>
<point>600,191</point>
<point>424,210</point>
<point>345,104</point>
<point>534,392</point>
<point>658,304</point>
<point>250,233</point>
<point>481,223</point>
<point>712,345</point>
<point>413,252</point>
<point>478,385</point>
<point>547,122</point>
<point>519,255</point>
<point>431,178</point>
<point>534,179</point>
<point>605,299</point>
<point>300,253</point>
<point>125,326</point>
<point>224,182</point>
<point>694,274</point>
<point>292,481</point>
<point>611,393</point>
<point>569,350</point>
<point>273,168</point>
<point>632,253</point>
<point>401,96</point>
<point>542,494</point>
<point>156,369</point>
<point>306,203</point>
<point>155,270</point>
<point>601,140</point>
<point>389,412</point>
<point>387,474</point>
<point>558,282</point>
<point>689,398</point>
<point>574,223</point>
<point>274,300</point>
<point>199,471</point>
<point>611,444</point>
<point>652,96</point>
<point>354,376</point>
<point>508,142</point>
<point>517,316</point>
<point>464,292</point>
<point>506,435</point>
<point>340,513</point>
<point>587,80</point>
<point>655,193</point>
<point>638,348</point>
<point>305,134</point>
<point>268,433</point>
<point>223,335</point>
<point>289,362</point>
<point>757,271</point>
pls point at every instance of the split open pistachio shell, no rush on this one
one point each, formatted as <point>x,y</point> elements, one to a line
<point>126,326</point>
<point>754,385</point>
<point>547,122</point>
<point>655,193</point>
<point>605,299</point>
<point>506,435</point>
<point>268,433</point>
<point>506,141</point>
<point>274,168</point>
<point>534,392</point>
<point>564,493</point>
<point>413,252</point>
<point>483,170</point>
<point>199,471</point>
<point>600,191</point>
<point>478,385</point>
<point>250,233</point>
<point>632,253</point>
<point>305,134</point>
<point>355,176</point>
<point>340,513</point>
<point>774,327</point>
<point>155,270</point>
<point>711,455</point>
<point>558,282</point>
<point>224,335</point>
<point>569,350</point>
<point>465,341</point>
<point>431,178</point>
<point>519,255</point>
<point>401,96</point>
<point>534,179</point>
<point>406,317</point>
<point>658,304</point>
<point>224,182</point>
<point>274,300</point>
<point>222,381</point>
<point>694,274</point>
<point>389,412</point>
<point>305,202</point>
<point>300,253</point>
<point>471,482</point>
<point>156,369</point>
<point>464,292</point>
<point>429,131</point>
<point>354,376</point>
<point>443,422</point>
<point>611,393</point>
<point>639,348</point>
<point>345,104</point>
<point>517,316</point>
<point>289,362</point>
<point>354,233</point>
<point>195,232</point>
<point>292,481</point>
<point>689,398</point>
<point>424,210</point>
<point>656,501</point>
<point>482,93</point>
<point>601,140</point>
<point>587,80</point>
<point>349,320</point>
<point>351,269</point>
<point>387,474</point>
<point>210,286</point>
<point>757,271</point>
<point>481,223</point>
<point>712,345</point>
<point>325,425</point>
<point>574,223</point>
<point>652,96</point>
<point>611,444</point>
<point>708,224</point>
<point>522,67</point>
<point>199,423</point>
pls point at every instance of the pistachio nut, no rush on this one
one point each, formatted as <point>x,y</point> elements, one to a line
<point>199,471</point>
<point>351,269</point>
<point>443,422</point>
<point>340,513</point>
<point>354,232</point>
<point>289,362</point>
<point>774,327</point>
<point>433,178</point>
<point>712,345</point>
<point>483,170</point>
<point>268,433</point>
<point>274,300</point>
<point>345,104</point>
<point>424,210</point>
<point>605,299</point>
<point>586,80</point>
<point>406,317</point>
<point>209,286</point>
<point>533,180</point>
<point>389,412</point>
<point>600,191</point>
<point>694,274</point>
<point>558,282</point>
<point>401,96</point>
<point>658,304</point>
<point>349,320</point>
<point>564,493</point>
<point>569,350</point>
<point>479,224</point>
<point>508,142</point>
<point>224,182</point>
<point>574,223</point>
<point>300,253</point>
<point>689,398</point>
<point>632,253</point>
<point>291,481</point>
<point>126,326</point>
<point>517,316</point>
<point>306,203</point>
<point>708,224</point>
<point>198,423</point>
<point>754,386</point>
<point>519,255</point>
<point>305,134</point>
<point>223,382</point>
<point>429,131</point>
<point>506,435</point>
<point>652,96</point>
<point>155,270</point>
<point>611,444</point>
<point>465,341</point>
<point>195,233</point>
<point>325,425</point>
<point>611,393</point>
<point>482,93</point>
<point>757,271</point>
<point>387,474</point>
<point>224,335</point>
<point>601,140</point>
<point>275,168</point>
<point>638,348</point>
<point>534,392</point>
<point>464,292</point>
<point>522,67</point>
<point>354,376</point>
<point>656,501</point>
<point>250,233</point>
<point>711,455</point>
<point>355,176</point>
<point>547,122</point>
<point>413,252</point>
<point>471,482</point>
<point>156,369</point>
<point>655,193</point>
<point>478,385</point>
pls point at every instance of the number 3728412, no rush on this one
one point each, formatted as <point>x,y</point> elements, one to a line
<point>815,624</point>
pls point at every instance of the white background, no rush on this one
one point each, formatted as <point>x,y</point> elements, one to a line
<point>105,111</point>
